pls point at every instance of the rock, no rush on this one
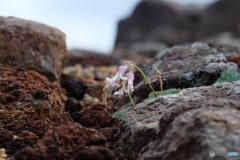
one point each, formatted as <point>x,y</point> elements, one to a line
<point>68,142</point>
<point>61,143</point>
<point>184,66</point>
<point>225,38</point>
<point>89,58</point>
<point>219,17</point>
<point>174,23</point>
<point>41,126</point>
<point>25,134</point>
<point>75,87</point>
<point>236,60</point>
<point>25,96</point>
<point>32,45</point>
<point>187,125</point>
<point>73,105</point>
<point>130,55</point>
<point>148,49</point>
<point>93,77</point>
<point>6,138</point>
<point>99,153</point>
<point>19,144</point>
<point>96,115</point>
<point>160,22</point>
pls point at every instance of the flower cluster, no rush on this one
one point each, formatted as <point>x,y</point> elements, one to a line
<point>123,81</point>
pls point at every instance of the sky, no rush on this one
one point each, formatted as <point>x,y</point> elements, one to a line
<point>88,24</point>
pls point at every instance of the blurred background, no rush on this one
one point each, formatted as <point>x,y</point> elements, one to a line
<point>93,25</point>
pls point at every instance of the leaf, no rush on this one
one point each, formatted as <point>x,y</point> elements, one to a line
<point>120,113</point>
<point>229,76</point>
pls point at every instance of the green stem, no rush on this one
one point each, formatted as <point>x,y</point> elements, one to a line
<point>130,97</point>
<point>145,77</point>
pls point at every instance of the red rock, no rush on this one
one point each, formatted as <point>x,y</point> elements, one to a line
<point>40,127</point>
<point>60,143</point>
<point>68,142</point>
<point>32,45</point>
<point>26,96</point>
<point>235,59</point>
<point>97,152</point>
<point>6,138</point>
<point>96,115</point>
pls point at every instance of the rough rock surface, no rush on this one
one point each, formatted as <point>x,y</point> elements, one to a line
<point>25,96</point>
<point>187,125</point>
<point>75,87</point>
<point>184,66</point>
<point>32,45</point>
<point>6,138</point>
<point>66,142</point>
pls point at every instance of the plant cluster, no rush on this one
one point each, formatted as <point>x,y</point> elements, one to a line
<point>124,83</point>
<point>229,76</point>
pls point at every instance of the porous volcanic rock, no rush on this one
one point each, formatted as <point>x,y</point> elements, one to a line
<point>68,142</point>
<point>96,115</point>
<point>183,126</point>
<point>191,65</point>
<point>75,87</point>
<point>41,126</point>
<point>25,96</point>
<point>6,138</point>
<point>32,45</point>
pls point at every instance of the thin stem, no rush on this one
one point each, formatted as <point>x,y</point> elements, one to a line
<point>159,77</point>
<point>104,98</point>
<point>130,97</point>
<point>145,77</point>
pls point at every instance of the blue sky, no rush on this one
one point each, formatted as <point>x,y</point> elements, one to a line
<point>88,24</point>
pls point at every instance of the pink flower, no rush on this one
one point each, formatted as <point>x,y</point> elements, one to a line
<point>119,76</point>
<point>121,91</point>
<point>130,78</point>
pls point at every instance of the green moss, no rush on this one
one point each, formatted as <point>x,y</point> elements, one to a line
<point>229,76</point>
<point>161,93</point>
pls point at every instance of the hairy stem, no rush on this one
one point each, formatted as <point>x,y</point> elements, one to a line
<point>130,97</point>
<point>145,77</point>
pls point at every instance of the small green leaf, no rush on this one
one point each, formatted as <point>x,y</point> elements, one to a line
<point>229,76</point>
<point>120,113</point>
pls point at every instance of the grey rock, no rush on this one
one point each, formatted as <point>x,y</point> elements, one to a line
<point>184,66</point>
<point>32,45</point>
<point>183,126</point>
<point>175,23</point>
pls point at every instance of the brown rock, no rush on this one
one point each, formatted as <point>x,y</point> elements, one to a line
<point>32,45</point>
<point>235,59</point>
<point>68,142</point>
<point>97,153</point>
<point>26,96</point>
<point>96,115</point>
<point>88,58</point>
<point>61,143</point>
<point>6,138</point>
<point>40,127</point>
<point>28,135</point>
